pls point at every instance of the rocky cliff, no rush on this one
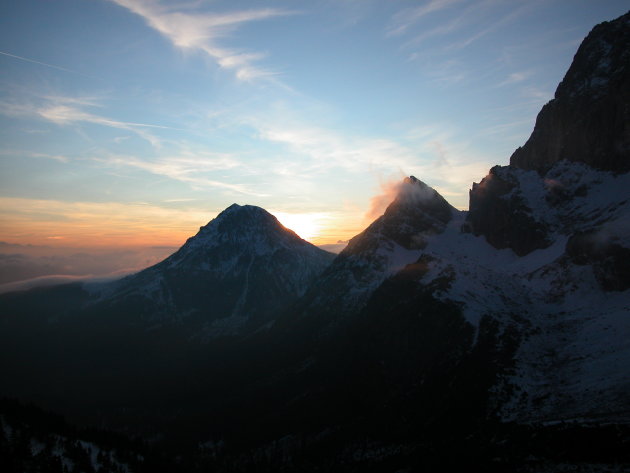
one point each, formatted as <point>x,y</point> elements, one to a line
<point>589,118</point>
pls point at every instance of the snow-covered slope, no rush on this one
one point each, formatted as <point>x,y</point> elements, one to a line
<point>570,300</point>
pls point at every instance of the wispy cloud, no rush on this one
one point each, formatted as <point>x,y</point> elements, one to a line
<point>55,157</point>
<point>403,20</point>
<point>33,61</point>
<point>486,27</point>
<point>202,31</point>
<point>515,77</point>
<point>503,128</point>
<point>537,93</point>
<point>191,168</point>
<point>327,149</point>
<point>66,115</point>
<point>447,73</point>
<point>71,110</point>
<point>463,26</point>
<point>388,191</point>
<point>432,154</point>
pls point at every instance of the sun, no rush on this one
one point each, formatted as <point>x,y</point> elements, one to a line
<point>307,226</point>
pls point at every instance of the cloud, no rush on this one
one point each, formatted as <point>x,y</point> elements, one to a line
<point>71,110</point>
<point>202,31</point>
<point>388,191</point>
<point>515,77</point>
<point>503,128</point>
<point>433,153</point>
<point>40,281</point>
<point>448,73</point>
<point>536,93</point>
<point>327,149</point>
<point>55,157</point>
<point>59,68</point>
<point>393,189</point>
<point>39,264</point>
<point>443,29</point>
<point>492,25</point>
<point>65,115</point>
<point>463,27</point>
<point>187,167</point>
<point>406,18</point>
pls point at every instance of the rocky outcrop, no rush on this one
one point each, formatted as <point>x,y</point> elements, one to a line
<point>500,212</point>
<point>587,122</point>
<point>589,118</point>
<point>610,261</point>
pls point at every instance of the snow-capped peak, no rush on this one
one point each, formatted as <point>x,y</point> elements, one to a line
<point>242,268</point>
<point>245,226</point>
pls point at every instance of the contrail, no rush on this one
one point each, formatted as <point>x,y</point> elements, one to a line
<point>47,65</point>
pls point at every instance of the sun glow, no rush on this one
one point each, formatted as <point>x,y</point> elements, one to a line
<point>308,225</point>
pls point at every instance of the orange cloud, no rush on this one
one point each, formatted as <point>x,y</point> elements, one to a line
<point>389,190</point>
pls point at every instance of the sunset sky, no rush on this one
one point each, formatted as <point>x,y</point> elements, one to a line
<point>133,122</point>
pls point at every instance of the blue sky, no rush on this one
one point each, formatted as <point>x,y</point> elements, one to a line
<point>130,122</point>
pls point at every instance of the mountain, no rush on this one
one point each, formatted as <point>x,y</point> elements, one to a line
<point>563,206</point>
<point>436,323</point>
<point>164,333</point>
<point>392,241</point>
<point>543,255</point>
<point>237,273</point>
<point>438,339</point>
<point>587,121</point>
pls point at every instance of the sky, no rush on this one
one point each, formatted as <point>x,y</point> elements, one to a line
<point>130,123</point>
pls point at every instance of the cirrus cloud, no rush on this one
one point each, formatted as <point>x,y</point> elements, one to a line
<point>202,31</point>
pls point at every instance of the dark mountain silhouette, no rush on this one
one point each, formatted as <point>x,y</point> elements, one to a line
<point>392,241</point>
<point>235,275</point>
<point>587,121</point>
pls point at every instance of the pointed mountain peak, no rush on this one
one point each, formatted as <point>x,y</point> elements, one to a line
<point>243,219</point>
<point>392,241</point>
<point>416,212</point>
<point>243,228</point>
<point>415,196</point>
<point>236,274</point>
<point>414,189</point>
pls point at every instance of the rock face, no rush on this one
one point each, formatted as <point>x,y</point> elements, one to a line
<point>587,122</point>
<point>609,259</point>
<point>589,118</point>
<point>500,212</point>
<point>562,206</point>
<point>242,268</point>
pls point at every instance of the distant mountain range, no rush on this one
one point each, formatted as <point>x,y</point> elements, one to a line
<point>436,339</point>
